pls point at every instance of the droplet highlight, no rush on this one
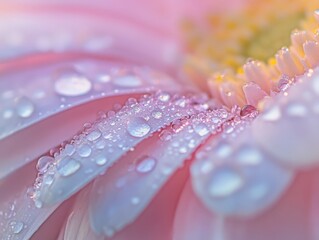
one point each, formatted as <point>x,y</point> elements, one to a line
<point>138,127</point>
<point>71,83</point>
<point>145,164</point>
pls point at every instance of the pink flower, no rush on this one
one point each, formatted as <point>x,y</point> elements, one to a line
<point>117,124</point>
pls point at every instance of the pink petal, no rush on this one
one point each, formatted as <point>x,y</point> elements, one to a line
<point>288,129</point>
<point>19,218</point>
<point>124,192</point>
<point>77,224</point>
<point>106,141</point>
<point>233,176</point>
<point>108,81</point>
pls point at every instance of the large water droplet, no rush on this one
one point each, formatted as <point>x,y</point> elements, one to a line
<point>247,110</point>
<point>68,166</point>
<point>100,160</point>
<point>43,163</point>
<point>71,83</point>
<point>24,107</point>
<point>225,181</point>
<point>16,226</point>
<point>138,127</point>
<point>69,149</point>
<point>94,135</point>
<point>127,81</point>
<point>84,150</point>
<point>145,164</point>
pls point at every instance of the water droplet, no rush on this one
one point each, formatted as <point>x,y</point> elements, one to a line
<point>183,150</point>
<point>8,113</point>
<point>127,81</point>
<point>249,155</point>
<point>138,127</point>
<point>100,160</point>
<point>108,231</point>
<point>69,149</point>
<point>16,226</point>
<point>68,166</point>
<point>223,150</point>
<point>247,110</point>
<point>100,144</point>
<point>38,204</point>
<point>157,114</point>
<point>296,110</point>
<point>135,200</point>
<point>43,163</point>
<point>145,164</point>
<point>103,78</point>
<point>71,83</point>
<point>84,150</point>
<point>201,129</point>
<point>94,135</point>
<point>24,107</point>
<point>225,181</point>
<point>272,114</point>
<point>164,97</point>
<point>165,135</point>
<point>181,102</point>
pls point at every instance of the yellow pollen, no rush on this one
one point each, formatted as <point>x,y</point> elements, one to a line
<point>222,55</point>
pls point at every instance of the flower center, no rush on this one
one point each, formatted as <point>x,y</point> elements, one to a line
<point>269,40</point>
<point>220,58</point>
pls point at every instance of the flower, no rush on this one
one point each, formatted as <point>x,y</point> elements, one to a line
<point>106,135</point>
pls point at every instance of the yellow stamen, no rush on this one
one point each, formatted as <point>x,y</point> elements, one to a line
<point>257,32</point>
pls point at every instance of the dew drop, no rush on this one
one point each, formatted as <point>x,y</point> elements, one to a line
<point>247,110</point>
<point>68,166</point>
<point>108,231</point>
<point>69,149</point>
<point>100,144</point>
<point>43,163</point>
<point>224,182</point>
<point>135,200</point>
<point>127,81</point>
<point>201,129</point>
<point>157,114</point>
<point>249,155</point>
<point>183,150</point>
<point>164,97</point>
<point>100,160</point>
<point>71,83</point>
<point>223,150</point>
<point>94,135</point>
<point>103,78</point>
<point>16,226</point>
<point>24,107</point>
<point>138,127</point>
<point>145,164</point>
<point>38,204</point>
<point>84,150</point>
<point>165,135</point>
<point>8,113</point>
<point>272,114</point>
